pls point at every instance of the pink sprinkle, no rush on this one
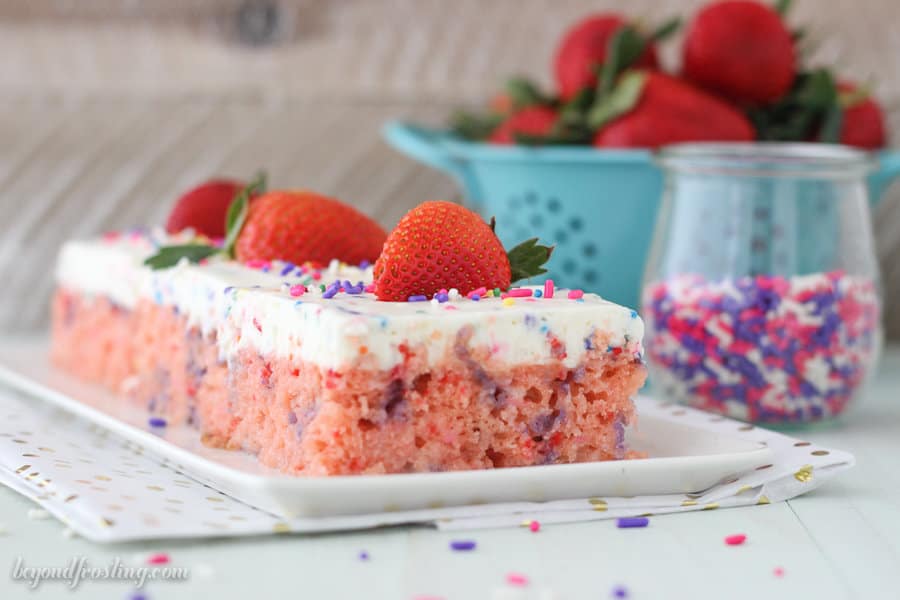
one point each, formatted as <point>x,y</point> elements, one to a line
<point>480,292</point>
<point>257,263</point>
<point>442,291</point>
<point>516,579</point>
<point>778,571</point>
<point>736,539</point>
<point>316,275</point>
<point>534,526</point>
<point>110,236</point>
<point>519,292</point>
<point>449,307</point>
<point>298,290</point>
<point>548,288</point>
<point>158,559</point>
<point>369,289</point>
<point>575,294</point>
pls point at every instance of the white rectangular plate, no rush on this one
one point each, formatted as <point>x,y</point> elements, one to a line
<point>681,458</point>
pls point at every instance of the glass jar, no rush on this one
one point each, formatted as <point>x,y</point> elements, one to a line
<point>761,293</point>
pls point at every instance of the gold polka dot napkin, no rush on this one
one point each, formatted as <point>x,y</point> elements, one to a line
<point>108,489</point>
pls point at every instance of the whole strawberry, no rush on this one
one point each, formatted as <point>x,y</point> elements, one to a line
<point>440,245</point>
<point>583,49</point>
<point>301,226</point>
<point>667,110</point>
<point>531,121</point>
<point>203,208</point>
<point>742,50</point>
<point>862,121</point>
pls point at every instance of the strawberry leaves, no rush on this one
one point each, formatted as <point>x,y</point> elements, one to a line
<point>528,259</point>
<point>811,106</point>
<point>169,256</point>
<point>620,100</point>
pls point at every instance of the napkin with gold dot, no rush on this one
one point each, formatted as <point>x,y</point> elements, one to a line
<point>110,489</point>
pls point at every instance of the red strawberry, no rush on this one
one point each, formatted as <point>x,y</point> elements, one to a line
<point>862,122</point>
<point>741,50</point>
<point>583,48</point>
<point>533,120</point>
<point>303,226</point>
<point>441,245</point>
<point>670,110</point>
<point>203,208</point>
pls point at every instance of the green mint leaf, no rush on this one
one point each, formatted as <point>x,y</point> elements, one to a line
<point>666,29</point>
<point>527,259</point>
<point>782,7</point>
<point>524,93</point>
<point>624,48</point>
<point>619,101</point>
<point>237,211</point>
<point>168,256</point>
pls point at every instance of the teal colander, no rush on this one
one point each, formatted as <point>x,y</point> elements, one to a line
<point>598,207</point>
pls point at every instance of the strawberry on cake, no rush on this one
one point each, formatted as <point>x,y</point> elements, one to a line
<point>429,361</point>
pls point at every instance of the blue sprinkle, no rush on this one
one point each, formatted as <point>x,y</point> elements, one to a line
<point>580,300</point>
<point>228,289</point>
<point>545,328</point>
<point>475,297</point>
<point>462,545</point>
<point>634,314</point>
<point>156,422</point>
<point>265,269</point>
<point>298,302</point>
<point>588,344</point>
<point>418,298</point>
<point>538,293</point>
<point>630,522</point>
<point>364,264</point>
<point>288,267</point>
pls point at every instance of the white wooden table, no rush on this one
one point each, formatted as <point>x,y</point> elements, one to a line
<point>842,541</point>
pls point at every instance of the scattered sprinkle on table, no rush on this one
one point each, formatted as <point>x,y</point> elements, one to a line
<point>534,526</point>
<point>156,422</point>
<point>630,522</point>
<point>137,595</point>
<point>778,571</point>
<point>38,514</point>
<point>462,545</point>
<point>517,579</point>
<point>363,555</point>
<point>735,540</point>
<point>620,591</point>
<point>159,558</point>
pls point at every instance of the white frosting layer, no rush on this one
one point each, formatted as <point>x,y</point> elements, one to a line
<point>249,308</point>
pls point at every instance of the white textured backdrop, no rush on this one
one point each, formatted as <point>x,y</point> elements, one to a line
<point>109,108</point>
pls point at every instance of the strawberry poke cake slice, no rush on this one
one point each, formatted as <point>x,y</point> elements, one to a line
<point>430,361</point>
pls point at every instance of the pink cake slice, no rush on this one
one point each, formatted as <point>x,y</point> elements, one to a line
<point>339,383</point>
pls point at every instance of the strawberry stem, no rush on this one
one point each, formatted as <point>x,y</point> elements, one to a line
<point>237,211</point>
<point>528,259</point>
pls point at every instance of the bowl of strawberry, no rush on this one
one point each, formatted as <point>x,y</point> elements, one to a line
<point>576,166</point>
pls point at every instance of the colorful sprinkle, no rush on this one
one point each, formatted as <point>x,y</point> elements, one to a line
<point>257,263</point>
<point>497,292</point>
<point>620,591</point>
<point>736,539</point>
<point>156,422</point>
<point>332,290</point>
<point>480,292</point>
<point>538,293</point>
<point>534,526</point>
<point>288,267</point>
<point>508,302</point>
<point>631,522</point>
<point>417,298</point>
<point>138,595</point>
<point>160,558</point>
<point>517,579</point>
<point>778,571</point>
<point>364,264</point>
<point>298,290</point>
<point>363,555</point>
<point>475,297</point>
<point>768,349</point>
<point>548,288</point>
<point>519,292</point>
<point>575,294</point>
<point>442,297</point>
<point>462,545</point>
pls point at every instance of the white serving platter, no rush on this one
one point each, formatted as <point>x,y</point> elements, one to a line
<point>682,458</point>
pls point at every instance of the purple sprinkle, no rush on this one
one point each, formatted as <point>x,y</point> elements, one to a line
<point>292,417</point>
<point>332,290</point>
<point>442,297</point>
<point>629,522</point>
<point>620,591</point>
<point>417,299</point>
<point>475,297</point>
<point>137,595</point>
<point>228,289</point>
<point>156,422</point>
<point>288,267</point>
<point>363,555</point>
<point>462,545</point>
<point>364,264</point>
